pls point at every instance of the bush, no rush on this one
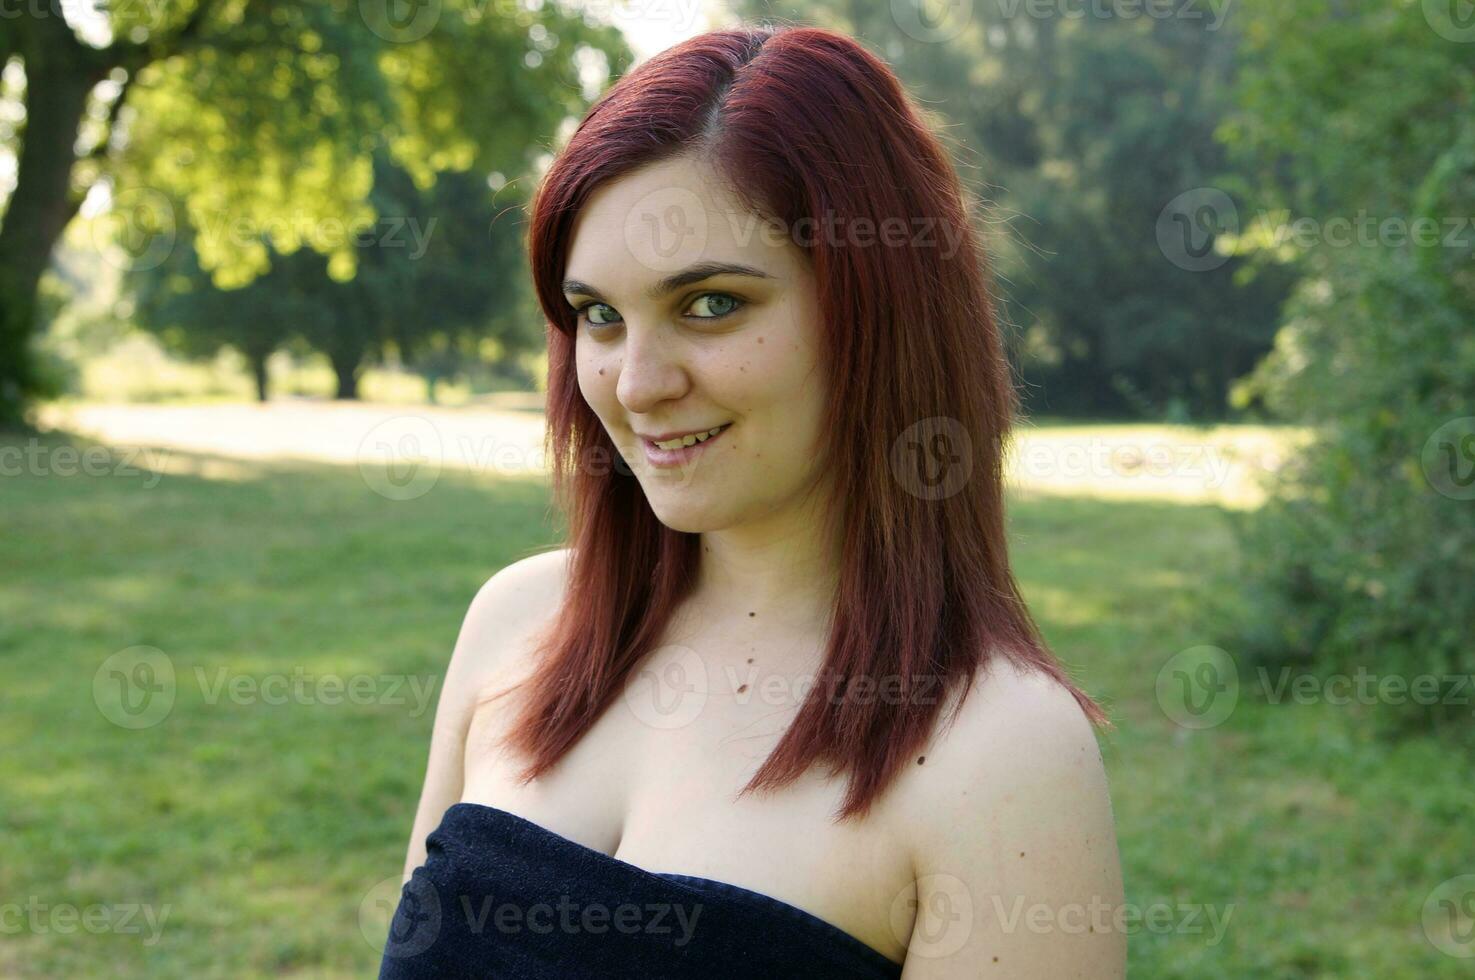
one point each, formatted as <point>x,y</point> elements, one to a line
<point>1364,556</point>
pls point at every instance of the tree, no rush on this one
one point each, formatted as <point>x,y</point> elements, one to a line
<point>472,295</point>
<point>1363,559</point>
<point>437,273</point>
<point>177,301</point>
<point>266,113</point>
<point>1084,136</point>
<point>61,72</point>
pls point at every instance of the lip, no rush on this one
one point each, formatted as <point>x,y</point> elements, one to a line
<point>665,458</point>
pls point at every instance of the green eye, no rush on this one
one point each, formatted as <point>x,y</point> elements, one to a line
<point>717,306</point>
<point>584,310</point>
<point>724,305</point>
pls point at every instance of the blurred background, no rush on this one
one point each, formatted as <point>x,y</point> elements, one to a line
<point>270,412</point>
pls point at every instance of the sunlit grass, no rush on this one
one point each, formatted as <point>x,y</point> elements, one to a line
<point>503,433</point>
<point>262,827</point>
<point>1222,464</point>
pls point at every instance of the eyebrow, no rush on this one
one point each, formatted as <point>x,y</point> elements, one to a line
<point>686,277</point>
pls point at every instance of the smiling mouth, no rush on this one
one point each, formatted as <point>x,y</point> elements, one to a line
<point>689,439</point>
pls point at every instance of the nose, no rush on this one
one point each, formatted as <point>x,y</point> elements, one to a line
<point>651,371</point>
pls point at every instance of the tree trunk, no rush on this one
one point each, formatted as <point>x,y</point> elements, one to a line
<point>59,75</point>
<point>258,373</point>
<point>345,369</point>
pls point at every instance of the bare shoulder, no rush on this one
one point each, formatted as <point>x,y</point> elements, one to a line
<point>534,582</point>
<point>1010,818</point>
<point>508,608</point>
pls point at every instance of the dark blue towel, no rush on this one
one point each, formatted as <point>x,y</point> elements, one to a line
<point>500,896</point>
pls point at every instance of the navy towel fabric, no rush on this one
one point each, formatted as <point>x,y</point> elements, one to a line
<point>500,896</point>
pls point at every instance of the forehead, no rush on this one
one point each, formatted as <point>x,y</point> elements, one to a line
<point>663,218</point>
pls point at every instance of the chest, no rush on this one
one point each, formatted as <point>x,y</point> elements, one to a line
<point>656,782</point>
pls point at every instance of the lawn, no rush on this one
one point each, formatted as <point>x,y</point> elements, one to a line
<point>251,830</point>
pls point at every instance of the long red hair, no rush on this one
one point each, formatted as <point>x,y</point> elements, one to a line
<point>803,122</point>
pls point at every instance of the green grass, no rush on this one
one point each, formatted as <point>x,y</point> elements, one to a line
<point>262,828</point>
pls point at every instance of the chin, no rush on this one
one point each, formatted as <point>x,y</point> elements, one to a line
<point>689,515</point>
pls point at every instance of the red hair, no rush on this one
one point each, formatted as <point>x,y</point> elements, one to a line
<point>803,123</point>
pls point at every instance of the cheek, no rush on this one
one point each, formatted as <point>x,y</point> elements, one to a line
<point>597,378</point>
<point>789,353</point>
<point>777,376</point>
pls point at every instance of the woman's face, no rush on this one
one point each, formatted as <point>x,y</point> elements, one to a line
<point>670,346</point>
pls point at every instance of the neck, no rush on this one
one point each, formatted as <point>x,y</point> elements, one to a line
<point>782,569</point>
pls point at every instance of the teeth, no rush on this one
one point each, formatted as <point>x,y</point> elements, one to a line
<point>682,442</point>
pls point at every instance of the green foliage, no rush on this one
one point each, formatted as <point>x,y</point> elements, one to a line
<point>177,301</point>
<point>438,272</point>
<point>1340,103</point>
<point>264,123</point>
<point>1079,133</point>
<point>275,127</point>
<point>1365,557</point>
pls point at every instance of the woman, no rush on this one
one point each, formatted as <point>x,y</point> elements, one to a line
<point>779,703</point>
